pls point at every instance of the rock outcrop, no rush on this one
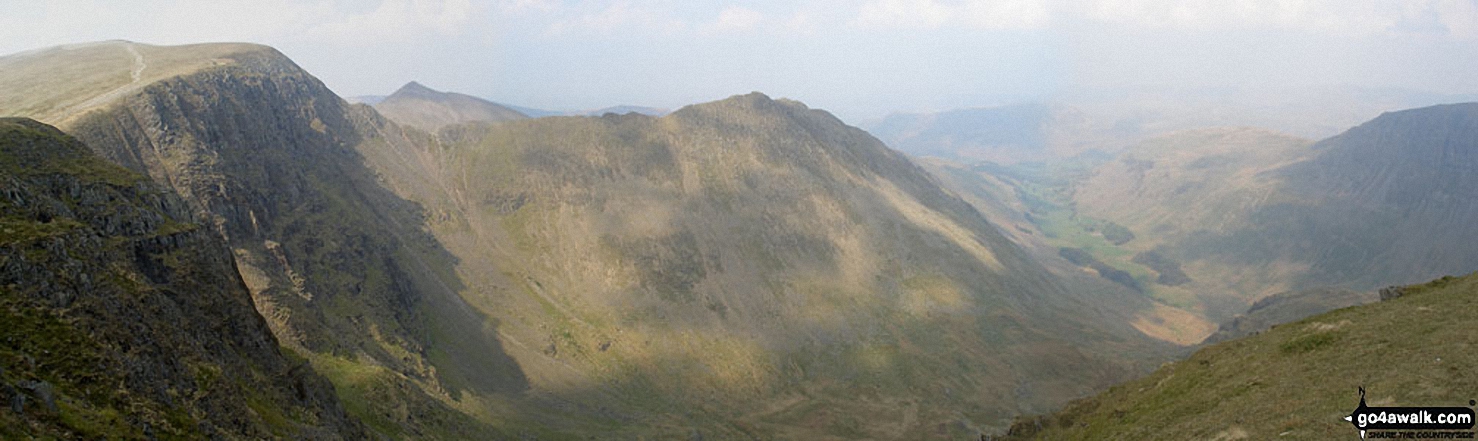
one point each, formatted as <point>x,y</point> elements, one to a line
<point>124,317</point>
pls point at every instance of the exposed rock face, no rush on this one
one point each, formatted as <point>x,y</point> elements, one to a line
<point>1390,292</point>
<point>339,265</point>
<point>123,317</point>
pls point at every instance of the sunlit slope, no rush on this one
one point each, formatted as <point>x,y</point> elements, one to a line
<point>420,107</point>
<point>1298,380</point>
<point>758,251</point>
<point>60,83</point>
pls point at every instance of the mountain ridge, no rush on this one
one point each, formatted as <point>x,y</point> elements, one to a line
<point>614,275</point>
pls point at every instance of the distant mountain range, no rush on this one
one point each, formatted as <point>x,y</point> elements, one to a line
<point>619,110</point>
<point>451,104</point>
<point>1007,134</point>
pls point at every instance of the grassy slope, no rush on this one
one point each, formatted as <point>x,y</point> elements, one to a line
<point>1298,380</point>
<point>56,84</point>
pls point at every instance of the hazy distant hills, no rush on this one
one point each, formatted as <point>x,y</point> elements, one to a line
<point>1208,221</point>
<point>537,113</point>
<point>420,107</point>
<point>1299,378</point>
<point>1006,134</point>
<point>619,110</point>
<point>748,267</point>
<point>1387,202</point>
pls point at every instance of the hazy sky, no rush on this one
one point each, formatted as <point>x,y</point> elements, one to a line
<point>858,58</point>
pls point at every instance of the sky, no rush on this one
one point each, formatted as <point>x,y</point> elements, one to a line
<point>858,58</point>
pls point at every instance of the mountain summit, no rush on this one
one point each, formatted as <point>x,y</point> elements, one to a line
<point>421,107</point>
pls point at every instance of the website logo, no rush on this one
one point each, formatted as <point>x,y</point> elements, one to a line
<point>1413,422</point>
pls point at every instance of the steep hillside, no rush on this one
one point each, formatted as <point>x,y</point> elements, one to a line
<point>763,252</point>
<point>1296,381</point>
<point>420,107</point>
<point>124,318</point>
<point>1389,201</point>
<point>1248,216</point>
<point>339,266</point>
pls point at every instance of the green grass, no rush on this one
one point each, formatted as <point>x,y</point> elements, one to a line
<point>1310,342</point>
<point>20,230</point>
<point>33,149</point>
<point>358,385</point>
<point>1047,195</point>
<point>1297,380</point>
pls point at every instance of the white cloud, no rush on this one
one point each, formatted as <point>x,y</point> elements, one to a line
<point>620,17</point>
<point>903,14</point>
<point>1006,14</point>
<point>1455,18</point>
<point>1460,17</point>
<point>737,18</point>
<point>400,19</point>
<point>973,14</point>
